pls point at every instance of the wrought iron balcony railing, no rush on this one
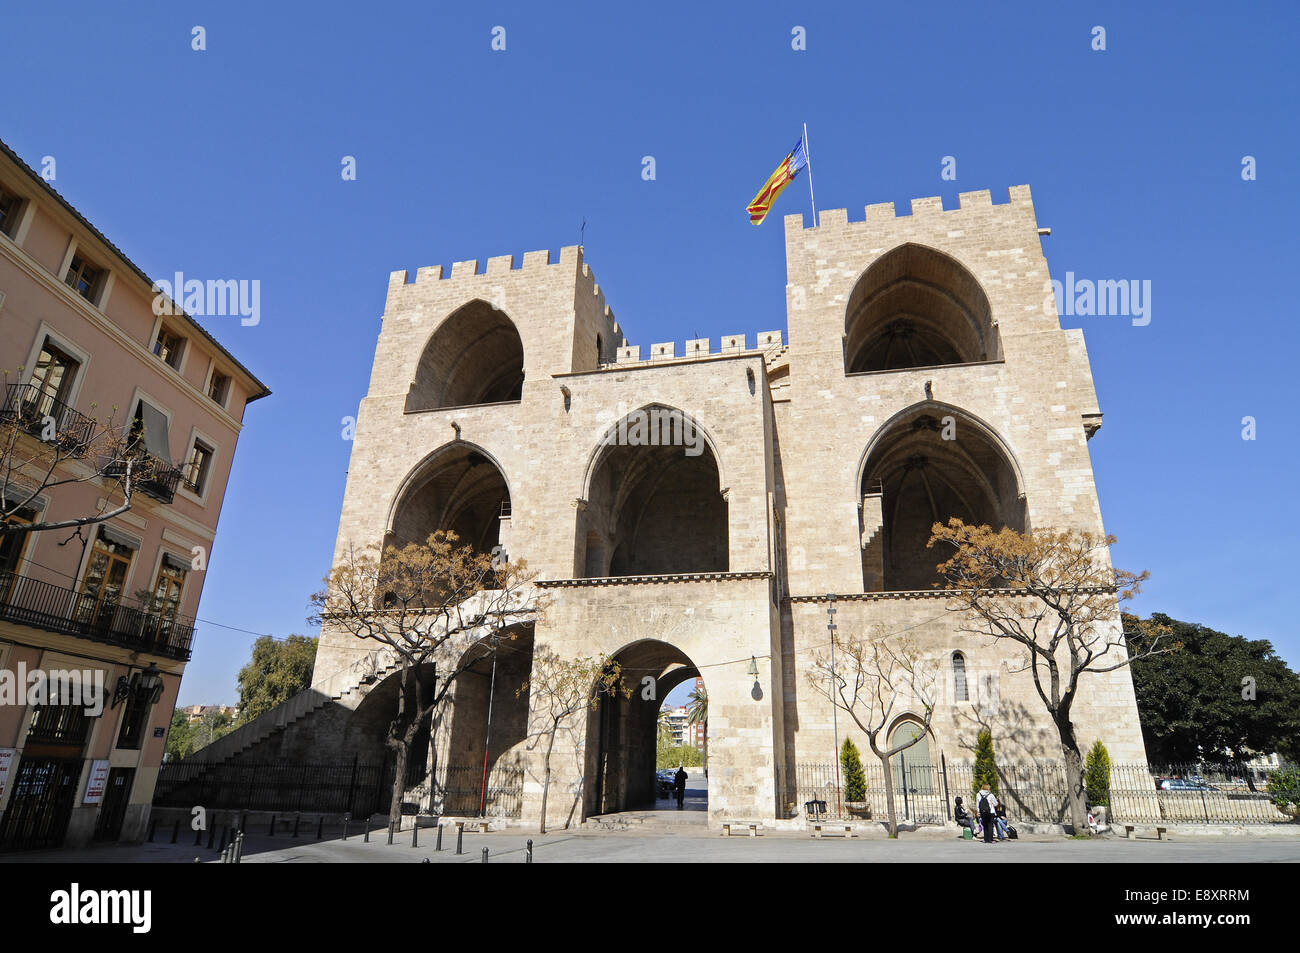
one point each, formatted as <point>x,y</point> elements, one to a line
<point>27,601</point>
<point>36,412</point>
<point>160,477</point>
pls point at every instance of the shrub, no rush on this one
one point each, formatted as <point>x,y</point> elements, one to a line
<point>1096,775</point>
<point>855,778</point>
<point>986,768</point>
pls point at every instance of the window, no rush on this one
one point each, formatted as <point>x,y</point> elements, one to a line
<point>166,596</point>
<point>169,346</point>
<point>84,278</point>
<point>11,207</point>
<point>219,388</point>
<point>959,677</point>
<point>196,468</point>
<point>51,381</point>
<point>134,720</point>
<point>11,550</point>
<point>102,588</point>
<point>149,432</point>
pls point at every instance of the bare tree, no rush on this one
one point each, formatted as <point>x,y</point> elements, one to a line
<point>1055,595</point>
<point>45,445</point>
<point>874,680</point>
<point>560,688</point>
<point>427,605</point>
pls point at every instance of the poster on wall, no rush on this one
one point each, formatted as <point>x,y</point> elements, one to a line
<point>98,780</point>
<point>7,756</point>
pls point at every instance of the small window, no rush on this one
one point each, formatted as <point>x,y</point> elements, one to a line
<point>11,207</point>
<point>219,389</point>
<point>84,278</point>
<point>51,381</point>
<point>196,468</point>
<point>959,677</point>
<point>168,346</point>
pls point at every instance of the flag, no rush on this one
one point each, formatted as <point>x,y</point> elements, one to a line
<point>783,176</point>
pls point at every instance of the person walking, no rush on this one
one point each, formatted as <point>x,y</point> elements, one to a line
<point>987,804</point>
<point>679,785</point>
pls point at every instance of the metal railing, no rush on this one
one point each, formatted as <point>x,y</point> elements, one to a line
<point>39,604</point>
<point>160,477</point>
<point>1037,792</point>
<point>352,787</point>
<point>31,409</point>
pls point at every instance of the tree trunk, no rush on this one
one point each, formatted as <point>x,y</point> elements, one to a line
<point>546,777</point>
<point>1073,776</point>
<point>399,784</point>
<point>889,797</point>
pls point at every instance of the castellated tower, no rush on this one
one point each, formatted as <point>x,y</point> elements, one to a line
<point>925,376</point>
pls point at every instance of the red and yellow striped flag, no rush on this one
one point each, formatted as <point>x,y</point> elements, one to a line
<point>790,166</point>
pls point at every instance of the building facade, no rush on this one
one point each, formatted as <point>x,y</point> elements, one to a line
<point>85,352</point>
<point>690,512</point>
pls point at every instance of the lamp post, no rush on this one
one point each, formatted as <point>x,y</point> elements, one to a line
<point>835,721</point>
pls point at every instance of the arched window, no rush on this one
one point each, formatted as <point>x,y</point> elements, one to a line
<point>475,357</point>
<point>917,307</point>
<point>959,677</point>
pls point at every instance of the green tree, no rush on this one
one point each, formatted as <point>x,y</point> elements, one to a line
<point>986,767</point>
<point>211,726</point>
<point>1096,775</point>
<point>278,670</point>
<point>1284,790</point>
<point>697,712</point>
<point>1220,698</point>
<point>180,736</point>
<point>855,778</point>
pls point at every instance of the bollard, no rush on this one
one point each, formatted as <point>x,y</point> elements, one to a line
<point>239,847</point>
<point>176,830</point>
<point>346,818</point>
<point>415,832</point>
<point>485,855</point>
<point>460,836</point>
<point>198,837</point>
<point>528,857</point>
<point>225,855</point>
<point>153,825</point>
<point>271,832</point>
<point>297,818</point>
<point>439,847</point>
<point>365,829</point>
<point>320,827</point>
<point>212,832</point>
<point>243,822</point>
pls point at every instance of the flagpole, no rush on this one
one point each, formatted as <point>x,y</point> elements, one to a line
<point>808,155</point>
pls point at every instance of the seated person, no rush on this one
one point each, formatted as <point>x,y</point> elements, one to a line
<point>964,818</point>
<point>1000,815</point>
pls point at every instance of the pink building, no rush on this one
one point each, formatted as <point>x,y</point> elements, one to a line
<point>112,602</point>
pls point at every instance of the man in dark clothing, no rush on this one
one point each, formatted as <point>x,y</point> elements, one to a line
<point>962,816</point>
<point>987,803</point>
<point>679,786</point>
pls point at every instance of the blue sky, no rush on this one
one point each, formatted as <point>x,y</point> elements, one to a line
<point>226,163</point>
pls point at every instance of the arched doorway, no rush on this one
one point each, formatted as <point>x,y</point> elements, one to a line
<point>474,357</point>
<point>623,729</point>
<point>916,771</point>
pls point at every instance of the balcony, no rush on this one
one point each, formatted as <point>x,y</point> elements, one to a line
<point>160,477</point>
<point>29,408</point>
<point>26,601</point>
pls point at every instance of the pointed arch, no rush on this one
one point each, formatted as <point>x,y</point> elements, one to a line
<point>916,306</point>
<point>459,487</point>
<point>474,356</point>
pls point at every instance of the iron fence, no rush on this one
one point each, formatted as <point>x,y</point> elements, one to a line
<point>1036,792</point>
<point>460,791</point>
<point>359,789</point>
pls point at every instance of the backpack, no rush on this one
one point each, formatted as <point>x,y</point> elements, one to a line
<point>1011,833</point>
<point>981,806</point>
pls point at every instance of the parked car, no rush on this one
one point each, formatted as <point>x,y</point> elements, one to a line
<point>1181,784</point>
<point>664,783</point>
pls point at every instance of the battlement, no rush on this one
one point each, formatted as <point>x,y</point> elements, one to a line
<point>884,214</point>
<point>467,279</point>
<point>697,348</point>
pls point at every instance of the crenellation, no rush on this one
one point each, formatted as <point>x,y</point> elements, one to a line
<point>930,205</point>
<point>500,265</point>
<point>464,269</point>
